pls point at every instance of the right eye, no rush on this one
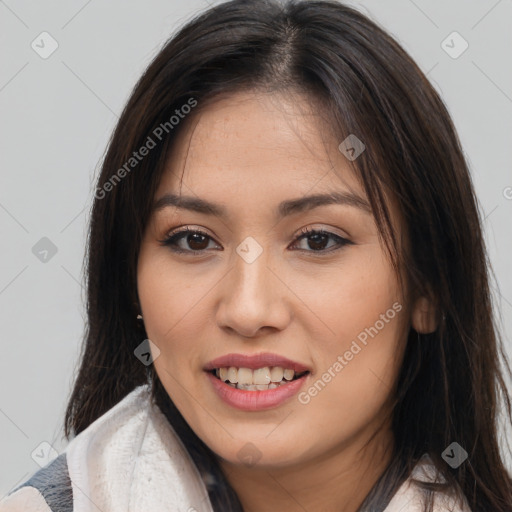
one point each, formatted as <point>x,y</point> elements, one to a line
<point>196,239</point>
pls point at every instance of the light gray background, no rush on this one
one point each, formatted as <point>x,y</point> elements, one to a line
<point>56,117</point>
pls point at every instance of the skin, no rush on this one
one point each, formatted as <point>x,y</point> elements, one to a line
<point>249,152</point>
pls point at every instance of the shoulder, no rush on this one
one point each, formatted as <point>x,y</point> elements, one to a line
<point>411,497</point>
<point>48,490</point>
<point>130,458</point>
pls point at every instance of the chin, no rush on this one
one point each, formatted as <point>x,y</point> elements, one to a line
<point>259,455</point>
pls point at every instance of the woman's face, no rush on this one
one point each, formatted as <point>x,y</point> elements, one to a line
<point>254,283</point>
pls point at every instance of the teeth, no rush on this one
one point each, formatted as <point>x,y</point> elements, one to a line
<point>264,377</point>
<point>261,376</point>
<point>288,374</point>
<point>255,387</point>
<point>232,374</point>
<point>244,376</point>
<point>222,373</point>
<point>276,374</point>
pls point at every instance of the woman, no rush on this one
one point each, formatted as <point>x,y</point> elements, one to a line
<point>288,296</point>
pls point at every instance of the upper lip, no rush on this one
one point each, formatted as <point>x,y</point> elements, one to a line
<point>255,361</point>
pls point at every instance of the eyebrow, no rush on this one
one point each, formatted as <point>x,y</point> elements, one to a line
<point>284,209</point>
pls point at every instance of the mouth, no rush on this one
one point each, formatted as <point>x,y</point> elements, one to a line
<point>256,382</point>
<point>258,379</point>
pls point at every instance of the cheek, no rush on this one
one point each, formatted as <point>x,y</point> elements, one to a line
<point>352,296</point>
<point>170,298</point>
<point>358,361</point>
<point>350,392</point>
<point>171,306</point>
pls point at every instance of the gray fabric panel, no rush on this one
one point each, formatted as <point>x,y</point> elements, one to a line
<point>54,484</point>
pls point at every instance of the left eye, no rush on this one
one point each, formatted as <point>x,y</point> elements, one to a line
<point>317,239</point>
<point>198,240</point>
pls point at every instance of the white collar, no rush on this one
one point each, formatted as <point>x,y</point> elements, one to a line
<point>131,459</point>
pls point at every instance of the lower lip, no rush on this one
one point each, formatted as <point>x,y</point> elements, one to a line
<point>256,400</point>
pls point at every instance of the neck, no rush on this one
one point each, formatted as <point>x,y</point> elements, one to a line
<point>337,482</point>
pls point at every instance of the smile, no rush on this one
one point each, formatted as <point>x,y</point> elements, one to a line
<point>259,379</point>
<point>255,397</point>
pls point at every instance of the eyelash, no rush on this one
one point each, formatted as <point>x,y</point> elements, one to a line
<point>175,236</point>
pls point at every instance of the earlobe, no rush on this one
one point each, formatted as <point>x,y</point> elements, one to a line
<point>424,318</point>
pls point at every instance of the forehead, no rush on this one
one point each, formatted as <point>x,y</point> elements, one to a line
<point>259,145</point>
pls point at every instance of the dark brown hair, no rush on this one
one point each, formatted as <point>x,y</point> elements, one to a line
<point>451,384</point>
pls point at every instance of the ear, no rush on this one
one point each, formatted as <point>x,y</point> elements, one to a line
<point>424,318</point>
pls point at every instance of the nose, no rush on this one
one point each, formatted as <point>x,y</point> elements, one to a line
<point>254,299</point>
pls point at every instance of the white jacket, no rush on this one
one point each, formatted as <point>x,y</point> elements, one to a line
<point>131,460</point>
